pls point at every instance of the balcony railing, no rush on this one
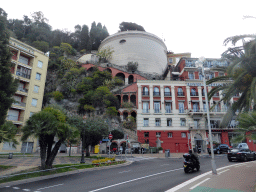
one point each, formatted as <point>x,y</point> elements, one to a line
<point>180,94</point>
<point>14,118</point>
<point>168,111</point>
<point>181,110</point>
<point>156,110</point>
<point>167,94</point>
<point>145,93</point>
<point>177,79</point>
<point>145,111</point>
<point>20,104</point>
<point>23,75</point>
<point>193,93</point>
<point>23,90</point>
<point>156,93</point>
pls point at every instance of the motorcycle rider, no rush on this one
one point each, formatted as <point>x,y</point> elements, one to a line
<point>194,156</point>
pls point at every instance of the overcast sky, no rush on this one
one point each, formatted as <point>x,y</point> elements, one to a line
<point>195,26</point>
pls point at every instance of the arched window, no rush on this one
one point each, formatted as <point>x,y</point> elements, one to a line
<point>156,91</point>
<point>145,91</point>
<point>167,91</point>
<point>180,92</point>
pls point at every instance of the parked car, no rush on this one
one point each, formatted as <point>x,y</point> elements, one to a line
<point>219,149</point>
<point>241,154</point>
<point>241,145</point>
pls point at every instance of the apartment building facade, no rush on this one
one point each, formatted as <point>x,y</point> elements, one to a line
<point>174,109</point>
<point>30,68</point>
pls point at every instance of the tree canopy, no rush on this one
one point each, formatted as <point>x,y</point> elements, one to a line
<point>129,26</point>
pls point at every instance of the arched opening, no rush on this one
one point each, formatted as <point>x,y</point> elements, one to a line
<point>134,115</point>
<point>125,98</point>
<point>91,70</point>
<point>167,91</point>
<point>125,115</point>
<point>130,79</point>
<point>119,99</point>
<point>156,91</point>
<point>145,91</point>
<point>108,70</point>
<point>133,99</point>
<point>121,76</point>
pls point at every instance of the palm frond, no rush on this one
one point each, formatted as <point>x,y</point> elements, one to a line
<point>235,39</point>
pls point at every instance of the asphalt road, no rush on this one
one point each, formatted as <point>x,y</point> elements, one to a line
<point>145,175</point>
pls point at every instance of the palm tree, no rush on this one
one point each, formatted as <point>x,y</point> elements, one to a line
<point>47,125</point>
<point>247,127</point>
<point>241,75</point>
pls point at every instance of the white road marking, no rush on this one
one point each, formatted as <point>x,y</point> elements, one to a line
<point>223,171</point>
<point>51,186</point>
<point>26,189</point>
<point>16,188</point>
<point>7,186</point>
<point>125,171</point>
<point>135,179</point>
<point>199,183</point>
<point>239,165</point>
<point>164,164</point>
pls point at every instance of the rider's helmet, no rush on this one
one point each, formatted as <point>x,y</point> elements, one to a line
<point>190,151</point>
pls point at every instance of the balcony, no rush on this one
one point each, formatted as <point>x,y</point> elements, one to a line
<point>20,104</point>
<point>168,111</point>
<point>145,93</point>
<point>23,75</point>
<point>180,94</point>
<point>145,111</point>
<point>194,94</point>
<point>181,110</point>
<point>15,119</point>
<point>156,93</point>
<point>167,94</point>
<point>22,90</point>
<point>157,111</point>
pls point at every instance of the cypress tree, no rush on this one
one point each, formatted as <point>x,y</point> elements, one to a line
<point>8,85</point>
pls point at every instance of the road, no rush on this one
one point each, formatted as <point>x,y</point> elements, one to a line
<point>153,174</point>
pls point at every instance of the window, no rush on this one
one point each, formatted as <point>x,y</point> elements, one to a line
<point>203,92</point>
<point>205,107</point>
<point>36,89</point>
<point>40,64</point>
<point>8,146</point>
<point>200,76</point>
<point>167,91</point>
<point>31,113</point>
<point>182,122</point>
<point>196,123</point>
<point>170,60</point>
<point>34,102</point>
<point>145,107</point>
<point>169,122</point>
<point>221,74</point>
<point>23,60</point>
<point>183,135</point>
<point>191,75</point>
<point>157,122</point>
<point>146,134</point>
<point>145,122</point>
<point>193,92</point>
<point>156,91</point>
<point>180,92</point>
<point>177,59</point>
<point>38,76</point>
<point>145,91</point>
<point>170,135</point>
<point>195,107</point>
<point>181,107</point>
<point>158,133</point>
<point>157,106</point>
<point>168,108</point>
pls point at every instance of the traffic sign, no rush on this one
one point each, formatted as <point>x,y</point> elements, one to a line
<point>110,136</point>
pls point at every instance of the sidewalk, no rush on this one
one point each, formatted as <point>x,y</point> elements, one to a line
<point>239,177</point>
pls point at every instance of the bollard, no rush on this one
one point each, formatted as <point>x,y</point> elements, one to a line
<point>10,155</point>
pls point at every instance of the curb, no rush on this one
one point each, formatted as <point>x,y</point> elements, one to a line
<point>2,185</point>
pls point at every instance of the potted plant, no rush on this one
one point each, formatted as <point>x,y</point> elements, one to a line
<point>160,149</point>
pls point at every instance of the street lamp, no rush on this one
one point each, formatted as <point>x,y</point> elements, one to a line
<point>199,64</point>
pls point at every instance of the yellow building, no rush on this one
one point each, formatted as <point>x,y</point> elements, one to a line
<point>30,67</point>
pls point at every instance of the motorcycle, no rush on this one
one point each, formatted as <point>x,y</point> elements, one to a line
<point>189,165</point>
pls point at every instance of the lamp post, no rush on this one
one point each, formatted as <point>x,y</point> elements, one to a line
<point>83,135</point>
<point>199,64</point>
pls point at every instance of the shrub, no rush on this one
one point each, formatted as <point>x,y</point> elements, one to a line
<point>58,96</point>
<point>160,148</point>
